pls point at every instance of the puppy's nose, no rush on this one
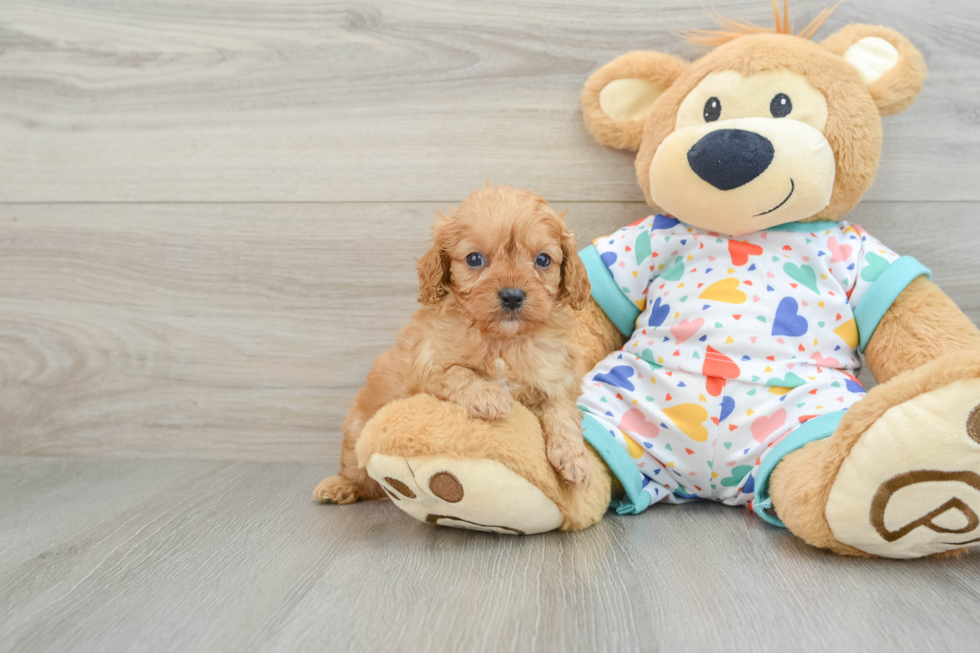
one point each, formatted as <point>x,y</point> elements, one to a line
<point>511,298</point>
<point>729,158</point>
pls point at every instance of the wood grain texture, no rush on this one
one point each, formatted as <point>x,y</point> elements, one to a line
<point>371,100</point>
<point>163,555</point>
<point>242,331</point>
<point>209,215</point>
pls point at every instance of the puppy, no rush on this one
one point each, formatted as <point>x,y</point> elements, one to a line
<point>498,289</point>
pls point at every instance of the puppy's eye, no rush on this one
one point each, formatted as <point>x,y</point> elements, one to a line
<point>780,106</point>
<point>712,109</point>
<point>475,260</point>
<point>542,261</point>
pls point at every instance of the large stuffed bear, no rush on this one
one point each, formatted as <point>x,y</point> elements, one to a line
<point>726,329</point>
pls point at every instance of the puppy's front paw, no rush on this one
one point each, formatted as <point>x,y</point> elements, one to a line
<point>570,460</point>
<point>336,489</point>
<point>486,400</point>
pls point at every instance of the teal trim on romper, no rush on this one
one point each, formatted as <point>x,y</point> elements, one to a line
<point>812,430</point>
<point>882,294</point>
<point>623,313</point>
<point>620,464</point>
<point>607,294</point>
<point>804,226</point>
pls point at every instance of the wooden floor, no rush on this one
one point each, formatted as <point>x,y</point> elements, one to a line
<point>169,555</point>
<point>209,215</point>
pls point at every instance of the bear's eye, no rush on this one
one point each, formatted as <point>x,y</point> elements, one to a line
<point>780,106</point>
<point>474,260</point>
<point>712,109</point>
<point>542,261</point>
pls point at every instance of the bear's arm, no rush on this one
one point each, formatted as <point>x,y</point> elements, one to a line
<point>595,336</point>
<point>921,325</point>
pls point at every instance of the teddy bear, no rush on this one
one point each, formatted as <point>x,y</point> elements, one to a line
<point>725,330</point>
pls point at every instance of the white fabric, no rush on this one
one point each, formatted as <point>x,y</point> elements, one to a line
<point>739,341</point>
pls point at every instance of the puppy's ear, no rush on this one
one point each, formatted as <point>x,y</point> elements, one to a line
<point>433,269</point>
<point>574,289</point>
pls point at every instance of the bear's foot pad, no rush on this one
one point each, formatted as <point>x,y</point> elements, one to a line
<point>480,494</point>
<point>910,486</point>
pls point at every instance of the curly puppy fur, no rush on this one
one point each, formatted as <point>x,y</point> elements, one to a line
<point>466,347</point>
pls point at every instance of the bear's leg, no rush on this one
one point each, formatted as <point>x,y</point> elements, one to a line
<point>444,467</point>
<point>900,476</point>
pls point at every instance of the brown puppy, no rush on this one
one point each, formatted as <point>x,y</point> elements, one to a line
<point>498,289</point>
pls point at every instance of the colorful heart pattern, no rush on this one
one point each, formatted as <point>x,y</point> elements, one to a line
<point>658,313</point>
<point>804,274</point>
<point>741,251</point>
<point>788,321</point>
<point>690,419</point>
<point>838,253</point>
<point>687,443</point>
<point>738,343</point>
<point>617,377</point>
<point>726,291</point>
<point>763,427</point>
<point>874,266</point>
<point>683,330</point>
<point>635,422</point>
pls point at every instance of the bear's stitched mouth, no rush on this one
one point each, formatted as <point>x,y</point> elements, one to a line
<point>792,187</point>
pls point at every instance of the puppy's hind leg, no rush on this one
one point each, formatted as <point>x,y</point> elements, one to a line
<point>340,489</point>
<point>351,483</point>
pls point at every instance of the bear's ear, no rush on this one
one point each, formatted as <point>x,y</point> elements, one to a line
<point>888,63</point>
<point>619,96</point>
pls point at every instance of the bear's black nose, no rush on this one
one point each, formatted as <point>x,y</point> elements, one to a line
<point>511,298</point>
<point>729,158</point>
